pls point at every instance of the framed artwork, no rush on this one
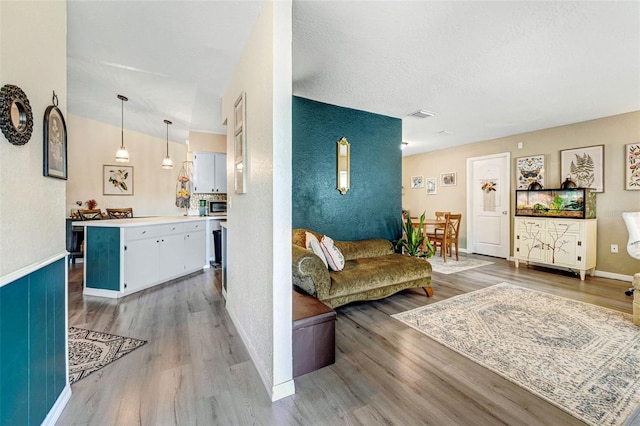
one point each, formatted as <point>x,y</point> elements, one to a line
<point>240,145</point>
<point>632,166</point>
<point>448,179</point>
<point>530,170</point>
<point>585,166</point>
<point>55,143</point>
<point>432,186</point>
<point>117,180</point>
<point>417,182</point>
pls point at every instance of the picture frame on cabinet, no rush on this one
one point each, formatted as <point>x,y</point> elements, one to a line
<point>585,167</point>
<point>417,182</point>
<point>54,143</point>
<point>432,186</point>
<point>530,170</point>
<point>632,166</point>
<point>240,144</point>
<point>448,179</point>
<point>117,180</point>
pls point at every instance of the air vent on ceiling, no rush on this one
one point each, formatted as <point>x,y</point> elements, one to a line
<point>422,113</point>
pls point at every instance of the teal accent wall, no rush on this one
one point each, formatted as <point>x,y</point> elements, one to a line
<point>372,208</point>
<point>32,345</point>
<point>103,258</point>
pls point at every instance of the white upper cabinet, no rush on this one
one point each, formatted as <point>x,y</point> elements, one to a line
<point>209,172</point>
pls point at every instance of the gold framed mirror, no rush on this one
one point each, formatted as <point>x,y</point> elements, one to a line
<point>343,175</point>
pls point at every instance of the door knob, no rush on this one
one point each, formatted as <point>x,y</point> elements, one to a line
<point>504,212</point>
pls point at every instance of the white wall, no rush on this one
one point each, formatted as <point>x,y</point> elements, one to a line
<point>92,144</point>
<point>32,207</point>
<point>259,223</point>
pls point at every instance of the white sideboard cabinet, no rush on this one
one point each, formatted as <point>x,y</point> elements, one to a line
<point>569,243</point>
<point>209,172</point>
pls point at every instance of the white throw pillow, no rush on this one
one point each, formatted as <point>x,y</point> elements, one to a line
<point>334,256</point>
<point>312,243</point>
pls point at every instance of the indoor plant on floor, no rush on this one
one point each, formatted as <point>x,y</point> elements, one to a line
<point>413,242</point>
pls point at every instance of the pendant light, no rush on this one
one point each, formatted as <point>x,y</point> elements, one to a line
<point>122,155</point>
<point>167,163</point>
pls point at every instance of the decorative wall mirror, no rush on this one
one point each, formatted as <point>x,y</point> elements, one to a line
<point>343,165</point>
<point>16,118</point>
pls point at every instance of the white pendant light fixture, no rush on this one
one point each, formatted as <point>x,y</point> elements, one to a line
<point>122,155</point>
<point>167,163</point>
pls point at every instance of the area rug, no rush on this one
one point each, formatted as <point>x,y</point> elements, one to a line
<point>580,357</point>
<point>451,266</point>
<point>89,351</point>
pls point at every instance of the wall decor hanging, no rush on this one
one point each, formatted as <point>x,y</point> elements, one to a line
<point>530,170</point>
<point>117,180</point>
<point>632,166</point>
<point>432,186</point>
<point>55,142</point>
<point>448,179</point>
<point>240,144</point>
<point>16,118</point>
<point>585,166</point>
<point>417,182</point>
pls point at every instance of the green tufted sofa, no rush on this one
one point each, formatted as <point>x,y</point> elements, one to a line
<point>372,271</point>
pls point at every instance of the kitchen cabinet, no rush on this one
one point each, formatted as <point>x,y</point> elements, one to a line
<point>569,243</point>
<point>209,172</point>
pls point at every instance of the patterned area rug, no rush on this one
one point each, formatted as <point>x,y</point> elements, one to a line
<point>452,265</point>
<point>89,351</point>
<point>580,357</point>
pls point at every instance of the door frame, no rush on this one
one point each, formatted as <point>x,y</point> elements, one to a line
<point>470,241</point>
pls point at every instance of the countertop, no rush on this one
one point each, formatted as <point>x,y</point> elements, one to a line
<point>144,221</point>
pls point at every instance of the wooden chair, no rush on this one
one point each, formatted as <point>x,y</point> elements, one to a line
<point>122,213</point>
<point>449,237</point>
<point>92,214</point>
<point>438,230</point>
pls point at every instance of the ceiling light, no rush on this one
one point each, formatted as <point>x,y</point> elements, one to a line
<point>422,113</point>
<point>403,145</point>
<point>167,163</point>
<point>122,155</point>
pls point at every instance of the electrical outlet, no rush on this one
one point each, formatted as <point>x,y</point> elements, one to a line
<point>614,248</point>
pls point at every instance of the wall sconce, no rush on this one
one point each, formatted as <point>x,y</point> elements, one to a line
<point>122,155</point>
<point>167,163</point>
<point>343,165</point>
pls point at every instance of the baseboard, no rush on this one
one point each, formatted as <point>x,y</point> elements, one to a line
<point>597,273</point>
<point>88,291</point>
<point>59,405</point>
<point>275,392</point>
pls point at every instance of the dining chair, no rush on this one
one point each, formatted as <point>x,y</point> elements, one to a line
<point>90,214</point>
<point>438,229</point>
<point>121,213</point>
<point>448,237</point>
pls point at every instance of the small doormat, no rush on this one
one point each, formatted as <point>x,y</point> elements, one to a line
<point>89,351</point>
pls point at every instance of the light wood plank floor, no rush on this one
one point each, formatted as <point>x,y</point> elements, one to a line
<point>194,369</point>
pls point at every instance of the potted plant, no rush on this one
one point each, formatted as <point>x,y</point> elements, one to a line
<point>413,242</point>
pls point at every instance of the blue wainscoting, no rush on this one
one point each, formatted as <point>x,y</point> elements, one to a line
<point>103,258</point>
<point>372,208</point>
<point>32,345</point>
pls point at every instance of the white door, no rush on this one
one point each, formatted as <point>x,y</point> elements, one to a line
<point>488,204</point>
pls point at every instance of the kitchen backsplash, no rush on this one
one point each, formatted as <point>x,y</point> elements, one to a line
<point>194,203</point>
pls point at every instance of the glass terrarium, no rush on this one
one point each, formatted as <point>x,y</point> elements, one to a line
<point>578,203</point>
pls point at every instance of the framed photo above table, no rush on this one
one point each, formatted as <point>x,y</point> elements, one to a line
<point>448,179</point>
<point>417,182</point>
<point>585,167</point>
<point>117,180</point>
<point>432,186</point>
<point>530,170</point>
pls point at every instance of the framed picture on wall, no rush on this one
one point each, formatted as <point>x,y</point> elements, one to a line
<point>240,145</point>
<point>632,166</point>
<point>530,170</point>
<point>585,167</point>
<point>432,186</point>
<point>448,179</point>
<point>55,143</point>
<point>417,182</point>
<point>117,180</point>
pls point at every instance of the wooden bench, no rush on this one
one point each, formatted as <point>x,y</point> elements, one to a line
<point>314,341</point>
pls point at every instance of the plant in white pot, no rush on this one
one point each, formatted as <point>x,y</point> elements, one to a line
<point>413,242</point>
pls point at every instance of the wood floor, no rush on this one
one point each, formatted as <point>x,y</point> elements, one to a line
<point>194,369</point>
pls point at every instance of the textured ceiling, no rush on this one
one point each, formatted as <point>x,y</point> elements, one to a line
<point>488,69</point>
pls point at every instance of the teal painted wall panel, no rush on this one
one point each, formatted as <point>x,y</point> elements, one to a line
<point>372,208</point>
<point>32,345</point>
<point>14,353</point>
<point>103,258</point>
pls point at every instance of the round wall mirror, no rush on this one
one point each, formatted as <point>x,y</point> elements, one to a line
<point>16,118</point>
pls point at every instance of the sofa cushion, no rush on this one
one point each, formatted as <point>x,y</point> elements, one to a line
<point>313,244</point>
<point>365,274</point>
<point>334,256</point>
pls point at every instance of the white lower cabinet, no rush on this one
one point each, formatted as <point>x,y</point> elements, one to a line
<point>569,243</point>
